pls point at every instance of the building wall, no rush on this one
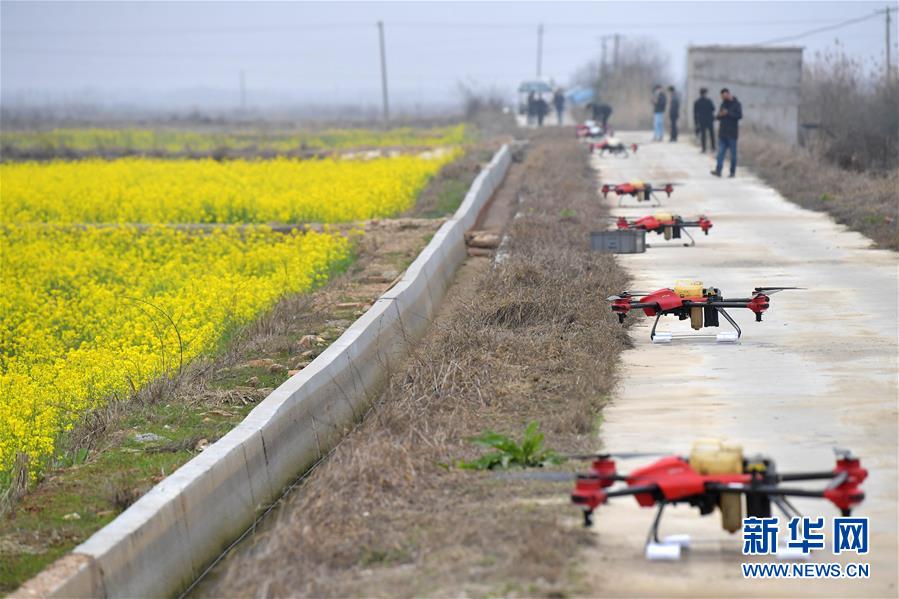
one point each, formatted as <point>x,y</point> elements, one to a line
<point>765,80</point>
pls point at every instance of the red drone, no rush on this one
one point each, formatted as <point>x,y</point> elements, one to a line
<point>612,146</point>
<point>590,129</point>
<point>689,299</point>
<point>716,475</point>
<point>643,192</point>
<point>669,225</point>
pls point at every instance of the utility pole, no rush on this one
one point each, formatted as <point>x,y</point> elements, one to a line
<point>243,92</point>
<point>615,54</point>
<point>383,72</point>
<point>602,58</point>
<point>539,49</point>
<point>889,62</point>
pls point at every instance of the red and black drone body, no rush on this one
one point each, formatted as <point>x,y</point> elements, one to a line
<point>669,225</point>
<point>590,130</point>
<point>643,192</point>
<point>716,476</point>
<point>612,146</point>
<point>689,299</point>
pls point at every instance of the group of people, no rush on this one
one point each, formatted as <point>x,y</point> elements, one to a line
<point>538,107</point>
<point>728,116</point>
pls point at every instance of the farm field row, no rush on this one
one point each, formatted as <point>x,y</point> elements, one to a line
<point>176,141</point>
<point>91,313</point>
<point>150,190</point>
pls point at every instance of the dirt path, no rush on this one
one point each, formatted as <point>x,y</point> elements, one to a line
<point>819,372</point>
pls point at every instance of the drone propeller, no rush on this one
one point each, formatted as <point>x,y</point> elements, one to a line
<point>624,455</point>
<point>844,454</point>
<point>838,480</point>
<point>772,290</point>
<point>626,294</point>
<point>555,476</point>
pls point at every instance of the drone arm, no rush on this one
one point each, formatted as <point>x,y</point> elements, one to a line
<point>737,303</point>
<point>590,493</point>
<point>762,490</point>
<point>650,489</point>
<point>758,304</point>
<point>842,491</point>
<point>825,475</point>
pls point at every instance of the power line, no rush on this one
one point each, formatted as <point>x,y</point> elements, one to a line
<point>821,29</point>
<point>405,24</point>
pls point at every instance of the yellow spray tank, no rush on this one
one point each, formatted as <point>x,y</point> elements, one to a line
<point>714,456</point>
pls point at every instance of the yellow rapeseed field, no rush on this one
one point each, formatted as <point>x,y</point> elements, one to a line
<point>144,190</point>
<point>93,313</point>
<point>99,295</point>
<point>174,141</point>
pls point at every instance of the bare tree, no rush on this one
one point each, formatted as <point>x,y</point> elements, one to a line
<point>855,113</point>
<point>626,84</point>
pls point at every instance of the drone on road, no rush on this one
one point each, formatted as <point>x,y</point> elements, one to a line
<point>613,146</point>
<point>715,475</point>
<point>640,190</point>
<point>591,130</point>
<point>689,299</point>
<point>668,225</point>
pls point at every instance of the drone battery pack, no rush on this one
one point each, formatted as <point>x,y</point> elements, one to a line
<point>711,316</point>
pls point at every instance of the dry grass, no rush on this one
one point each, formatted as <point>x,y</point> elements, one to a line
<point>529,339</point>
<point>865,202</point>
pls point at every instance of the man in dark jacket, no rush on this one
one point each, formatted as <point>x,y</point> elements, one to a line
<point>673,111</point>
<point>601,113</point>
<point>542,110</point>
<point>704,118</point>
<point>658,113</point>
<point>559,104</point>
<point>729,114</point>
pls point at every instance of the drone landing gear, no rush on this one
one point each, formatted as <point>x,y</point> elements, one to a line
<point>723,337</point>
<point>645,198</point>
<point>790,511</point>
<point>670,547</point>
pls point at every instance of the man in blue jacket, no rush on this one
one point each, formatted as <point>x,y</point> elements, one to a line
<point>729,115</point>
<point>659,101</point>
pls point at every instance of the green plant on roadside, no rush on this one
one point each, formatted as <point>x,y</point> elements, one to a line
<point>508,453</point>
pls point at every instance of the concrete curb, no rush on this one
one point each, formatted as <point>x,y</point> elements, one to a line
<point>163,542</point>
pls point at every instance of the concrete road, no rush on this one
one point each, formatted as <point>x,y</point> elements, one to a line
<point>820,371</point>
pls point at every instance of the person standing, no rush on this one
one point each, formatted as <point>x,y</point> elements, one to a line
<point>601,113</point>
<point>658,113</point>
<point>542,110</point>
<point>673,111</point>
<point>704,118</point>
<point>559,103</point>
<point>532,108</point>
<point>729,114</point>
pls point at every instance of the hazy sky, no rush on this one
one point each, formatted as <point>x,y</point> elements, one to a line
<point>192,52</point>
